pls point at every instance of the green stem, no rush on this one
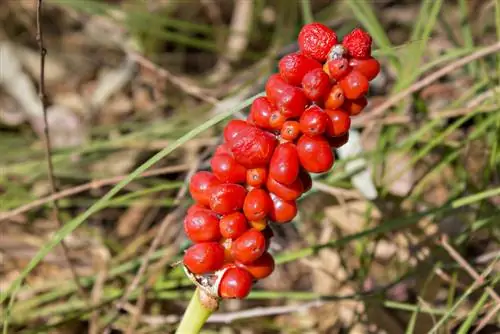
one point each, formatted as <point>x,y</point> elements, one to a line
<point>194,317</point>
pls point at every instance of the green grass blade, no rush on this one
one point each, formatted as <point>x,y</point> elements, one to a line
<point>464,329</point>
<point>307,15</point>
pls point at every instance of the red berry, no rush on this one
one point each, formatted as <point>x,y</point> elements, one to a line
<point>202,225</point>
<point>292,102</point>
<point>235,283</point>
<point>358,44</point>
<point>313,121</point>
<point>275,86</point>
<point>338,68</point>
<point>257,204</point>
<point>223,149</point>
<point>227,198</point>
<point>225,167</point>
<point>233,128</point>
<point>194,208</point>
<point>290,130</point>
<point>370,67</point>
<point>261,111</point>
<point>335,98</point>
<point>227,244</point>
<point>249,246</point>
<point>256,176</point>
<point>252,147</point>
<point>340,122</point>
<point>284,165</point>
<point>294,66</point>
<point>283,211</point>
<point>200,186</point>
<point>316,84</point>
<point>354,85</point>
<point>315,154</point>
<point>336,142</point>
<point>287,192</point>
<point>233,225</point>
<point>260,268</point>
<point>305,179</point>
<point>204,257</point>
<point>277,120</point>
<point>316,40</point>
<point>354,107</point>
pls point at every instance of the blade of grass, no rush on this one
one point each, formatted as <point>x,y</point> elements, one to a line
<point>307,15</point>
<point>466,32</point>
<point>464,329</point>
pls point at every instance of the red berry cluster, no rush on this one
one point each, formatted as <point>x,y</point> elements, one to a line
<point>263,166</point>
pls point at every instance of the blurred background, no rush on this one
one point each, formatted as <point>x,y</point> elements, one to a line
<point>125,80</point>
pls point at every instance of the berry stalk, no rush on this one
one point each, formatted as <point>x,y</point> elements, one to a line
<point>196,313</point>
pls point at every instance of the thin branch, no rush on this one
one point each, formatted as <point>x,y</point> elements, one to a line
<point>48,147</point>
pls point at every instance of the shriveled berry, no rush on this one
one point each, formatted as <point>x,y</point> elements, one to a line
<point>252,147</point>
<point>358,44</point>
<point>313,121</point>
<point>223,149</point>
<point>277,120</point>
<point>294,66</point>
<point>287,192</point>
<point>335,98</point>
<point>257,204</point>
<point>256,176</point>
<point>260,268</point>
<point>340,122</point>
<point>235,283</point>
<point>202,225</point>
<point>338,68</point>
<point>336,142</point>
<point>305,179</point>
<point>259,225</point>
<point>249,246</point>
<point>370,67</point>
<point>261,111</point>
<point>227,198</point>
<point>283,211</point>
<point>316,40</point>
<point>204,257</point>
<point>316,84</point>
<point>315,154</point>
<point>356,106</point>
<point>284,165</point>
<point>292,102</point>
<point>225,167</point>
<point>200,186</point>
<point>354,85</point>
<point>233,128</point>
<point>233,225</point>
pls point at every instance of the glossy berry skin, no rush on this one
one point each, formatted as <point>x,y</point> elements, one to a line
<point>257,204</point>
<point>283,211</point>
<point>284,165</point>
<point>204,257</point>
<point>316,84</point>
<point>277,120</point>
<point>287,192</point>
<point>260,268</point>
<point>338,68</point>
<point>249,246</point>
<point>200,186</point>
<point>233,128</point>
<point>259,225</point>
<point>370,67</point>
<point>261,111</point>
<point>227,244</point>
<point>313,121</point>
<point>336,142</point>
<point>355,107</point>
<point>256,177</point>
<point>236,283</point>
<point>315,41</point>
<point>275,86</point>
<point>305,179</point>
<point>227,198</point>
<point>233,225</point>
<point>294,66</point>
<point>202,225</point>
<point>335,98</point>
<point>358,44</point>
<point>225,167</point>
<point>354,85</point>
<point>340,122</point>
<point>315,154</point>
<point>195,207</point>
<point>223,149</point>
<point>292,102</point>
<point>251,146</point>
